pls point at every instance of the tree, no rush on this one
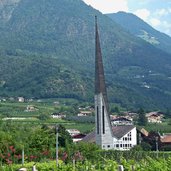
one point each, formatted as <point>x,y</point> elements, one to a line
<point>142,120</point>
<point>146,146</point>
<point>88,150</point>
<point>64,136</point>
<point>43,117</point>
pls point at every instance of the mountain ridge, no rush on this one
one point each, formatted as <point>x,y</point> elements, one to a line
<point>139,28</point>
<point>51,53</point>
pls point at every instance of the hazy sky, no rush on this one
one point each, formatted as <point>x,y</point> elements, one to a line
<point>155,12</point>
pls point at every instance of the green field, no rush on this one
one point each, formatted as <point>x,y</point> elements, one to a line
<point>18,114</point>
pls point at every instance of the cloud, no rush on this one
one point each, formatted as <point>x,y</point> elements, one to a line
<point>142,13</point>
<point>162,12</point>
<point>108,6</point>
<point>166,24</point>
<point>155,22</point>
<point>166,27</point>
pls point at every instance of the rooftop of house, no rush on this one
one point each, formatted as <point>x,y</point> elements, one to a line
<point>121,119</point>
<point>78,136</point>
<point>166,138</point>
<point>154,114</point>
<point>144,132</point>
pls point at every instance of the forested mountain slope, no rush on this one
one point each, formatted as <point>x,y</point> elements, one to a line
<point>47,50</point>
<point>141,29</point>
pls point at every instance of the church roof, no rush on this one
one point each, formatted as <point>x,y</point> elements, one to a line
<point>121,130</point>
<point>118,132</point>
<point>90,137</point>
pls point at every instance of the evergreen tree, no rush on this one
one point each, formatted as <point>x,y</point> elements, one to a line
<point>64,136</point>
<point>142,120</point>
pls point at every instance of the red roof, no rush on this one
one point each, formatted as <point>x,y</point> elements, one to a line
<point>166,138</point>
<point>78,136</point>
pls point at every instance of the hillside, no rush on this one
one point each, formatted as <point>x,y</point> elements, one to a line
<point>47,50</point>
<point>139,28</point>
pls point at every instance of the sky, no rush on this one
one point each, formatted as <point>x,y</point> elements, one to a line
<point>157,13</point>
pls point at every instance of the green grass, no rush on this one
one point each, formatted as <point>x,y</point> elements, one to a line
<point>83,127</point>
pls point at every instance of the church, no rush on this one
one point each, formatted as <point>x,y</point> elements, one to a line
<point>120,137</point>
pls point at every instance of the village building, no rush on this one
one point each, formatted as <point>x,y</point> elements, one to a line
<point>84,113</point>
<point>142,135</point>
<point>165,141</point>
<point>154,117</point>
<point>58,115</point>
<point>31,108</point>
<point>21,99</point>
<point>73,132</point>
<point>121,121</point>
<point>78,137</point>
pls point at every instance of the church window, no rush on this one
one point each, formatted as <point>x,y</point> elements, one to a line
<point>103,119</point>
<point>97,120</point>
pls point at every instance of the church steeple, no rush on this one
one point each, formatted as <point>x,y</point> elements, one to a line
<point>104,135</point>
<point>100,86</point>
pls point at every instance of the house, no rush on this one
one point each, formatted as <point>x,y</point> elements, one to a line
<point>121,121</point>
<point>158,141</point>
<point>78,137</point>
<point>154,117</point>
<point>21,99</point>
<point>56,103</point>
<point>85,113</point>
<point>73,132</point>
<point>142,134</point>
<point>58,115</point>
<point>165,142</point>
<point>31,108</point>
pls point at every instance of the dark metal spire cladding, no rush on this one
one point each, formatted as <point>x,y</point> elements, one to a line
<point>100,86</point>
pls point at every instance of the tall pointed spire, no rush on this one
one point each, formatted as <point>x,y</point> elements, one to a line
<point>104,135</point>
<point>100,86</point>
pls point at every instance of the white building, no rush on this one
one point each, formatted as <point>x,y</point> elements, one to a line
<point>85,113</point>
<point>121,121</point>
<point>21,99</point>
<point>73,132</point>
<point>123,138</point>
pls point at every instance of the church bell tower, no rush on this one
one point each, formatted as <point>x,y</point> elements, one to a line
<point>104,135</point>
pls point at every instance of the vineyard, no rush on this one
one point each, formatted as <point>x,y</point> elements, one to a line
<point>146,164</point>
